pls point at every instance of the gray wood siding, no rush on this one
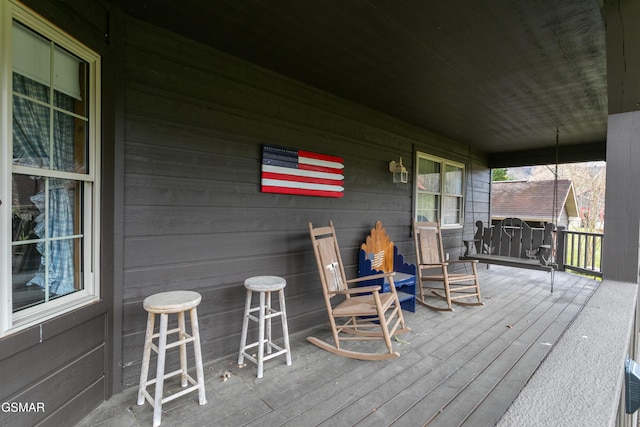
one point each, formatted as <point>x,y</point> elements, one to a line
<point>194,216</point>
<point>65,362</point>
<point>60,363</point>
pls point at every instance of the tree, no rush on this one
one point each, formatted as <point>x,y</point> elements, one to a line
<point>499,174</point>
<point>588,185</point>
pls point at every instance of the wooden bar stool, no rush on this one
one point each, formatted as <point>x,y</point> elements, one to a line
<point>264,285</point>
<point>163,304</point>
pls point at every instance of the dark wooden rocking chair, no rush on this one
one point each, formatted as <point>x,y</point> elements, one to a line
<point>433,267</point>
<point>365,313</point>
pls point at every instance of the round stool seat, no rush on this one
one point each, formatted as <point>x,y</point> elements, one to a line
<point>265,283</point>
<point>172,301</point>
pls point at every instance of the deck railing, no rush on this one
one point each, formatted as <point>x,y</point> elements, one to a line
<point>580,251</point>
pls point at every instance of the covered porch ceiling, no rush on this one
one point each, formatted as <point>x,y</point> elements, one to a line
<point>501,75</point>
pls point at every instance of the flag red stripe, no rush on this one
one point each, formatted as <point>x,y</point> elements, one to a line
<point>296,178</point>
<point>319,169</point>
<point>302,192</point>
<point>318,156</point>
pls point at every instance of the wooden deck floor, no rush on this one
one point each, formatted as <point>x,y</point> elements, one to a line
<point>462,368</point>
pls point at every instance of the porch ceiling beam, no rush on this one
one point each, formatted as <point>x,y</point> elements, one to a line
<point>620,249</point>
<point>545,156</point>
<point>623,61</point>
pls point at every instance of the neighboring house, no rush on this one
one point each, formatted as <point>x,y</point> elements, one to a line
<point>532,201</point>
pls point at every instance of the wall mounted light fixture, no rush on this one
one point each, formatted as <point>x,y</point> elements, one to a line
<point>400,173</point>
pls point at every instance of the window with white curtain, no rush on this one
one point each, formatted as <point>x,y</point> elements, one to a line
<point>49,179</point>
<point>439,190</point>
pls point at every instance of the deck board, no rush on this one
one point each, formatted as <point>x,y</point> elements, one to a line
<point>466,357</point>
<point>457,348</point>
<point>529,346</point>
<point>456,368</point>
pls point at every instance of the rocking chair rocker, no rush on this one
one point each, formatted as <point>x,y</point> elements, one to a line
<point>433,267</point>
<point>369,313</point>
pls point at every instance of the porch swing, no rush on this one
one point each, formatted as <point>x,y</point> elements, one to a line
<point>513,242</point>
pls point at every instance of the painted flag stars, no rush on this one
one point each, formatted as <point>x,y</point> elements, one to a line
<point>290,171</point>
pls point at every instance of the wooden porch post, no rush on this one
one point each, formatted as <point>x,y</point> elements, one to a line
<point>621,253</point>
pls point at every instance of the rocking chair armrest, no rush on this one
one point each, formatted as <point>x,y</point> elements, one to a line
<point>359,290</point>
<point>371,277</point>
<point>437,264</point>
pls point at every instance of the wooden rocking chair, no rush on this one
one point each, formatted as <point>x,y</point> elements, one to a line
<point>365,313</point>
<point>433,267</point>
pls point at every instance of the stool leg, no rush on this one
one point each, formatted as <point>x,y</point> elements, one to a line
<point>195,332</point>
<point>183,349</point>
<point>268,311</point>
<point>245,326</point>
<point>146,355</point>
<point>162,348</point>
<point>261,335</point>
<point>285,328</point>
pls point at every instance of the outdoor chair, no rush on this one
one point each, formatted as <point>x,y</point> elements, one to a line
<point>455,287</point>
<point>378,254</point>
<point>364,313</point>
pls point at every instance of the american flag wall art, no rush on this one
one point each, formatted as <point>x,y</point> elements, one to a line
<point>290,171</point>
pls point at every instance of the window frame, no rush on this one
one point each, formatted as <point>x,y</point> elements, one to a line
<point>443,162</point>
<point>10,322</point>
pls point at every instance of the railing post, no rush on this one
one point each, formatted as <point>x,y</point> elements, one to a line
<point>560,246</point>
